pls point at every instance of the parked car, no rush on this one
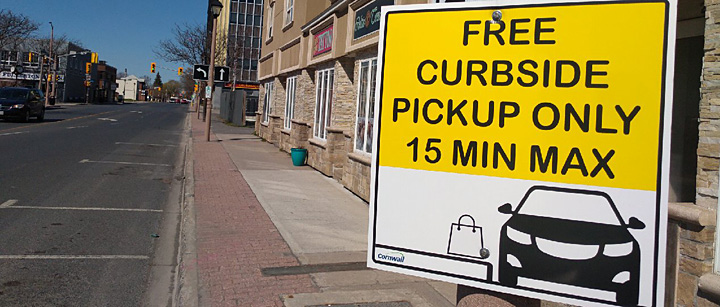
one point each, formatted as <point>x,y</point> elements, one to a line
<point>21,103</point>
<point>571,237</point>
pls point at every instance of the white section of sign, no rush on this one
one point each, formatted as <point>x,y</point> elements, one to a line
<point>428,231</point>
<point>208,92</point>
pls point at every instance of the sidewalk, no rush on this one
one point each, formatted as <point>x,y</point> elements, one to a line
<point>271,234</point>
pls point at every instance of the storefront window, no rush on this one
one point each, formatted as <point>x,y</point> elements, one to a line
<point>290,102</point>
<point>366,106</point>
<point>323,102</point>
<point>267,106</point>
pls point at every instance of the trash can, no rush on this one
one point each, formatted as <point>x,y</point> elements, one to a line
<point>298,156</point>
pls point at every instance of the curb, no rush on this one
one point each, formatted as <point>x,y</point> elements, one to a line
<point>186,281</point>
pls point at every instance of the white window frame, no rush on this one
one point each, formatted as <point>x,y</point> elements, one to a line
<point>289,11</point>
<point>271,20</point>
<point>324,91</point>
<point>267,104</point>
<point>362,124</point>
<point>290,101</point>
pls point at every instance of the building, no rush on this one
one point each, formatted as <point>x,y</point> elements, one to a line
<point>238,46</point>
<point>317,69</point>
<point>73,66</point>
<point>131,88</point>
<point>102,84</point>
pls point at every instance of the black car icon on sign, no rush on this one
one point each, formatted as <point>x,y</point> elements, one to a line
<point>571,237</point>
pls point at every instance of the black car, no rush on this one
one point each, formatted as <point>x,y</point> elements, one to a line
<point>21,103</point>
<point>571,237</point>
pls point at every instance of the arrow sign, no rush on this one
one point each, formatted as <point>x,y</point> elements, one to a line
<point>222,74</point>
<point>200,72</point>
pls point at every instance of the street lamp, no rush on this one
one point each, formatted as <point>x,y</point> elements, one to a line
<point>215,8</point>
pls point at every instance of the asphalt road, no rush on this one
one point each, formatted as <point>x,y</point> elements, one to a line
<point>82,196</point>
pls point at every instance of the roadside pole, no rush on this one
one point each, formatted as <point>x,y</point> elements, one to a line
<point>211,82</point>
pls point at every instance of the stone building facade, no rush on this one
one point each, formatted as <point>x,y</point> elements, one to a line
<point>299,48</point>
<point>316,38</point>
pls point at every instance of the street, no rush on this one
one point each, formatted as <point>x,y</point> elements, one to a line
<point>89,205</point>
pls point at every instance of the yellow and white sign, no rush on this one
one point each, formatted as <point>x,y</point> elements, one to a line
<point>524,147</point>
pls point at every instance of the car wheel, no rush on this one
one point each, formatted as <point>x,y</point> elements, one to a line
<point>626,297</point>
<point>507,276</point>
<point>41,116</point>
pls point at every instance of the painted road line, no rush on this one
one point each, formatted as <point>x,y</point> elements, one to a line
<point>82,208</point>
<point>126,163</point>
<point>60,121</point>
<point>8,203</point>
<point>13,133</point>
<point>76,127</point>
<point>144,144</point>
<point>108,119</point>
<point>72,257</point>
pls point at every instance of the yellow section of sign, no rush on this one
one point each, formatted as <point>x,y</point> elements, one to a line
<point>568,93</point>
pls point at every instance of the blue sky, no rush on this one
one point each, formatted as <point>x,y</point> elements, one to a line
<point>123,32</point>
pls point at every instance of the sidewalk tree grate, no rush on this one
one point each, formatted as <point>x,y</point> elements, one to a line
<point>314,268</point>
<point>379,304</point>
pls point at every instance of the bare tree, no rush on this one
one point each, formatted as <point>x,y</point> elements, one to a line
<point>189,45</point>
<point>14,29</point>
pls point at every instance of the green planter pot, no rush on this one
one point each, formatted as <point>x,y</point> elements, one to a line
<point>298,156</point>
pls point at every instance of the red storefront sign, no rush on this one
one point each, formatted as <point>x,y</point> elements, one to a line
<point>323,41</point>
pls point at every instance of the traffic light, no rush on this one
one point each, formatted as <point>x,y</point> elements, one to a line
<point>152,67</point>
<point>30,56</point>
<point>196,87</point>
<point>180,70</point>
<point>88,66</point>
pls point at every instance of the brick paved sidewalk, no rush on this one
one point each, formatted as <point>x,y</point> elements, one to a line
<point>235,237</point>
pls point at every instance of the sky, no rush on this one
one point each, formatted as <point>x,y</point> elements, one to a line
<point>123,33</point>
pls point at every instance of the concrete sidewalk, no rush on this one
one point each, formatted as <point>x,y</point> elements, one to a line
<point>322,228</point>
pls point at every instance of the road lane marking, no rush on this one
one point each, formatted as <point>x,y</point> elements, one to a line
<point>8,203</point>
<point>76,127</point>
<point>81,208</point>
<point>108,119</point>
<point>60,121</point>
<point>71,257</point>
<point>14,133</point>
<point>120,162</point>
<point>143,144</point>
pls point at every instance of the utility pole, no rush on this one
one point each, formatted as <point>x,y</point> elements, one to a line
<point>215,7</point>
<point>47,83</point>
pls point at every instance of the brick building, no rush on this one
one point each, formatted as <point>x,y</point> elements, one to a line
<point>317,74</point>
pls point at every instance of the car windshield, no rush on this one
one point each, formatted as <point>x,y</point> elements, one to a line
<point>570,206</point>
<point>12,94</point>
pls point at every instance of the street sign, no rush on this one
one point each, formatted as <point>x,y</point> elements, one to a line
<point>208,92</point>
<point>520,147</point>
<point>201,72</point>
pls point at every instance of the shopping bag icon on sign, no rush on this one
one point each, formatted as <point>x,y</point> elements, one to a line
<point>466,239</point>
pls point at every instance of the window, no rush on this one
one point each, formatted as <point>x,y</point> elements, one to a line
<point>270,20</point>
<point>323,102</point>
<point>288,11</point>
<point>267,106</point>
<point>290,101</point>
<point>366,106</point>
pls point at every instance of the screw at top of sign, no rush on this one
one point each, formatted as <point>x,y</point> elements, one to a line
<point>496,16</point>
